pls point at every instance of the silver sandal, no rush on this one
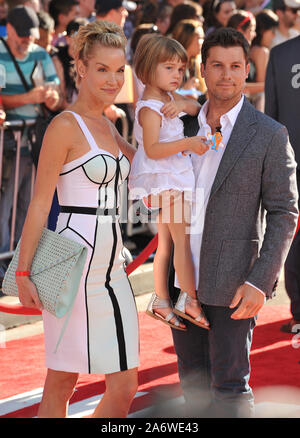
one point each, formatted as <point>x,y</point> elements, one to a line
<point>179,309</point>
<point>161,303</point>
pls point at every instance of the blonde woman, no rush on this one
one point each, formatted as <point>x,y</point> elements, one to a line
<point>86,159</point>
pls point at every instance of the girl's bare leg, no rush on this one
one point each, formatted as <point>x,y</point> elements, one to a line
<point>161,265</point>
<point>183,261</point>
<point>58,389</point>
<point>121,388</point>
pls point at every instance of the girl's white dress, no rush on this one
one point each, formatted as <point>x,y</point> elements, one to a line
<point>149,176</point>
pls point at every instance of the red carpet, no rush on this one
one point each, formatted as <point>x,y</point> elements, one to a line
<point>274,361</point>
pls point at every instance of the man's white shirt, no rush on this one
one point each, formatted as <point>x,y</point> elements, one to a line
<point>205,169</point>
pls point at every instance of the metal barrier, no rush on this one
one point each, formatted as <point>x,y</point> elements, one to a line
<point>16,127</point>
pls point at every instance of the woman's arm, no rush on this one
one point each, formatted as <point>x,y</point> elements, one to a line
<point>260,57</point>
<point>254,87</point>
<point>150,121</point>
<point>53,155</point>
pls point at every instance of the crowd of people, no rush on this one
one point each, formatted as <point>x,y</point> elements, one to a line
<point>57,56</point>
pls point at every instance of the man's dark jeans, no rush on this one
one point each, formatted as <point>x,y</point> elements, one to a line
<point>214,366</point>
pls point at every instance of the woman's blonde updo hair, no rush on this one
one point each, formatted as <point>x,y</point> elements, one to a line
<point>97,32</point>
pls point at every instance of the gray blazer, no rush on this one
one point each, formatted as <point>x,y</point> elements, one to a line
<point>282,89</point>
<point>252,211</point>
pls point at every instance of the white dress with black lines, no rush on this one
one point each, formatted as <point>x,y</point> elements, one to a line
<point>102,334</point>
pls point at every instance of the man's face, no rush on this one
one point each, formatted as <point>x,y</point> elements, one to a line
<point>289,16</point>
<point>225,72</point>
<point>65,19</point>
<point>19,45</point>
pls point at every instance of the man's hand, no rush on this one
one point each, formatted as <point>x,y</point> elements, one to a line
<point>51,99</point>
<point>36,95</point>
<point>250,302</point>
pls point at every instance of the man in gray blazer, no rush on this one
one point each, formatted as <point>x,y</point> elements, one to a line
<point>282,93</point>
<point>249,214</point>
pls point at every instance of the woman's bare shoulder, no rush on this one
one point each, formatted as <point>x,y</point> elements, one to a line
<point>64,120</point>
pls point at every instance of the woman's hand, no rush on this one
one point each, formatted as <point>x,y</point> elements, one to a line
<point>28,295</point>
<point>197,145</point>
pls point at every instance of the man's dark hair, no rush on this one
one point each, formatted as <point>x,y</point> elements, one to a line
<point>57,7</point>
<point>278,5</point>
<point>225,37</point>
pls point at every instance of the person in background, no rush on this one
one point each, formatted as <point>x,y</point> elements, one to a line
<point>64,63</point>
<point>114,11</point>
<point>44,5</point>
<point>163,18</point>
<point>287,12</point>
<point>140,30</point>
<point>87,9</point>
<point>146,12</point>
<point>186,10</point>
<point>62,13</point>
<point>266,24</point>
<point>244,22</point>
<point>217,14</point>
<point>3,17</point>
<point>46,29</point>
<point>190,34</point>
<point>282,104</point>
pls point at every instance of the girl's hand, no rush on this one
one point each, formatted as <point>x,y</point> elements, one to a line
<point>28,295</point>
<point>172,109</point>
<point>197,145</point>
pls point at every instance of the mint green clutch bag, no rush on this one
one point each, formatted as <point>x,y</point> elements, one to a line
<point>56,271</point>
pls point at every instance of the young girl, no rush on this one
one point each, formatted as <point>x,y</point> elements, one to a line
<point>162,174</point>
